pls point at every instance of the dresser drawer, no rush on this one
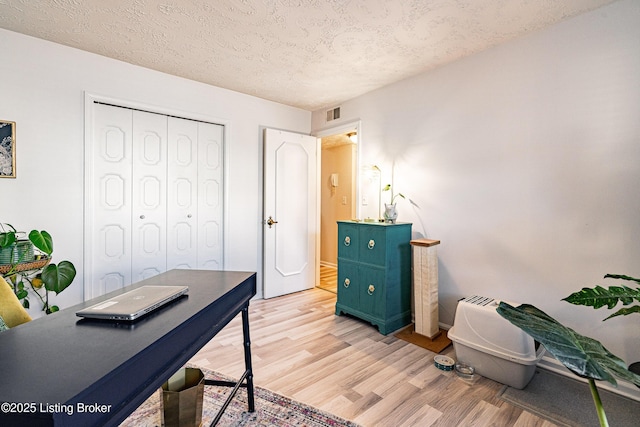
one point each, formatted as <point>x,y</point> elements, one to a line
<point>372,245</point>
<point>348,283</point>
<point>348,241</point>
<point>372,291</point>
<point>362,287</point>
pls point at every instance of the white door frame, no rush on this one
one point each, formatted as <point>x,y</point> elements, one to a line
<point>89,100</point>
<point>353,126</point>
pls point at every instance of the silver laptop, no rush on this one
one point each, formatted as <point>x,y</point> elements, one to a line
<point>134,304</point>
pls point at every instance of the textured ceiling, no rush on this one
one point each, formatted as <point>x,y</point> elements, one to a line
<point>310,54</point>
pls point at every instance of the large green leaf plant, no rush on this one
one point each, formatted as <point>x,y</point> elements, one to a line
<point>40,281</point>
<point>584,356</point>
<point>599,296</point>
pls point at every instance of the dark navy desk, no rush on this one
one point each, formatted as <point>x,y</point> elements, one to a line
<point>103,370</point>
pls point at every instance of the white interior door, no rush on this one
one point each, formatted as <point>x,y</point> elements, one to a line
<point>154,196</point>
<point>290,208</point>
<point>108,201</point>
<point>182,209</point>
<point>195,194</point>
<point>210,196</point>
<point>149,188</point>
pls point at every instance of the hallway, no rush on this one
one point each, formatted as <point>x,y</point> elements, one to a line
<point>328,278</point>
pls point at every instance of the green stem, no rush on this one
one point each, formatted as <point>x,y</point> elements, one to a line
<point>596,400</point>
<point>45,304</point>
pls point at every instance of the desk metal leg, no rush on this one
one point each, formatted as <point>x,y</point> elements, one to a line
<point>247,358</point>
<point>246,376</point>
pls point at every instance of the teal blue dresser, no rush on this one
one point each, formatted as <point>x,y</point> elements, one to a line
<point>374,273</point>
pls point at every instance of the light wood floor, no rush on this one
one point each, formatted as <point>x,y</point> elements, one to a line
<point>328,279</point>
<point>342,365</point>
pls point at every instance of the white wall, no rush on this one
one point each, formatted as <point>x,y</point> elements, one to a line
<point>525,162</point>
<point>42,90</point>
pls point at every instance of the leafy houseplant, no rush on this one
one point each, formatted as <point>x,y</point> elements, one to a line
<point>390,212</point>
<point>584,356</point>
<point>393,196</point>
<point>599,296</point>
<point>37,271</point>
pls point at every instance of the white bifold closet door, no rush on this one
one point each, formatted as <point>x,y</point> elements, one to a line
<point>155,199</point>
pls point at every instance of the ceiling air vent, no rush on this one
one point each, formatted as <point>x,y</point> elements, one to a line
<point>333,114</point>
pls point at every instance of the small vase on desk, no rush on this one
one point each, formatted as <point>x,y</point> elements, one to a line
<point>390,213</point>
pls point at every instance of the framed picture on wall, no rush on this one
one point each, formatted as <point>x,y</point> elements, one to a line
<point>7,149</point>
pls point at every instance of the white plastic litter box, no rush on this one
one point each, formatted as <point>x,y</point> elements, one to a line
<point>491,344</point>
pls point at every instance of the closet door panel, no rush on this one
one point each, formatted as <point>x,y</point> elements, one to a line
<point>210,195</point>
<point>154,196</point>
<point>109,198</point>
<point>149,198</point>
<point>182,206</point>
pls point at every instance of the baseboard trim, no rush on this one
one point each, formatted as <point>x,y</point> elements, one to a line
<point>550,363</point>
<point>444,326</point>
<point>624,388</point>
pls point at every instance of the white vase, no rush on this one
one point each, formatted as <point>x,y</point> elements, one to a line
<point>390,213</point>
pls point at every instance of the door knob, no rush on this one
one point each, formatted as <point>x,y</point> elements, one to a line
<point>271,221</point>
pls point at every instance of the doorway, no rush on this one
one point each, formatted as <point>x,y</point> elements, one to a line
<point>338,196</point>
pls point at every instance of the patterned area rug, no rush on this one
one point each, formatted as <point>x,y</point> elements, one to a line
<point>271,409</point>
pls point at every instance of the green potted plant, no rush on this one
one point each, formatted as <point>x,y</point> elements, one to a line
<point>393,196</point>
<point>27,271</point>
<point>584,356</point>
<point>390,212</point>
<point>599,297</point>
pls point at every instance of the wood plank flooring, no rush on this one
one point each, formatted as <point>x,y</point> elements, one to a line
<point>328,279</point>
<point>343,365</point>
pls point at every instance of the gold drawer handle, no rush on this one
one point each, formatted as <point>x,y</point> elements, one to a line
<point>371,289</point>
<point>371,244</point>
<point>347,240</point>
<point>347,282</point>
